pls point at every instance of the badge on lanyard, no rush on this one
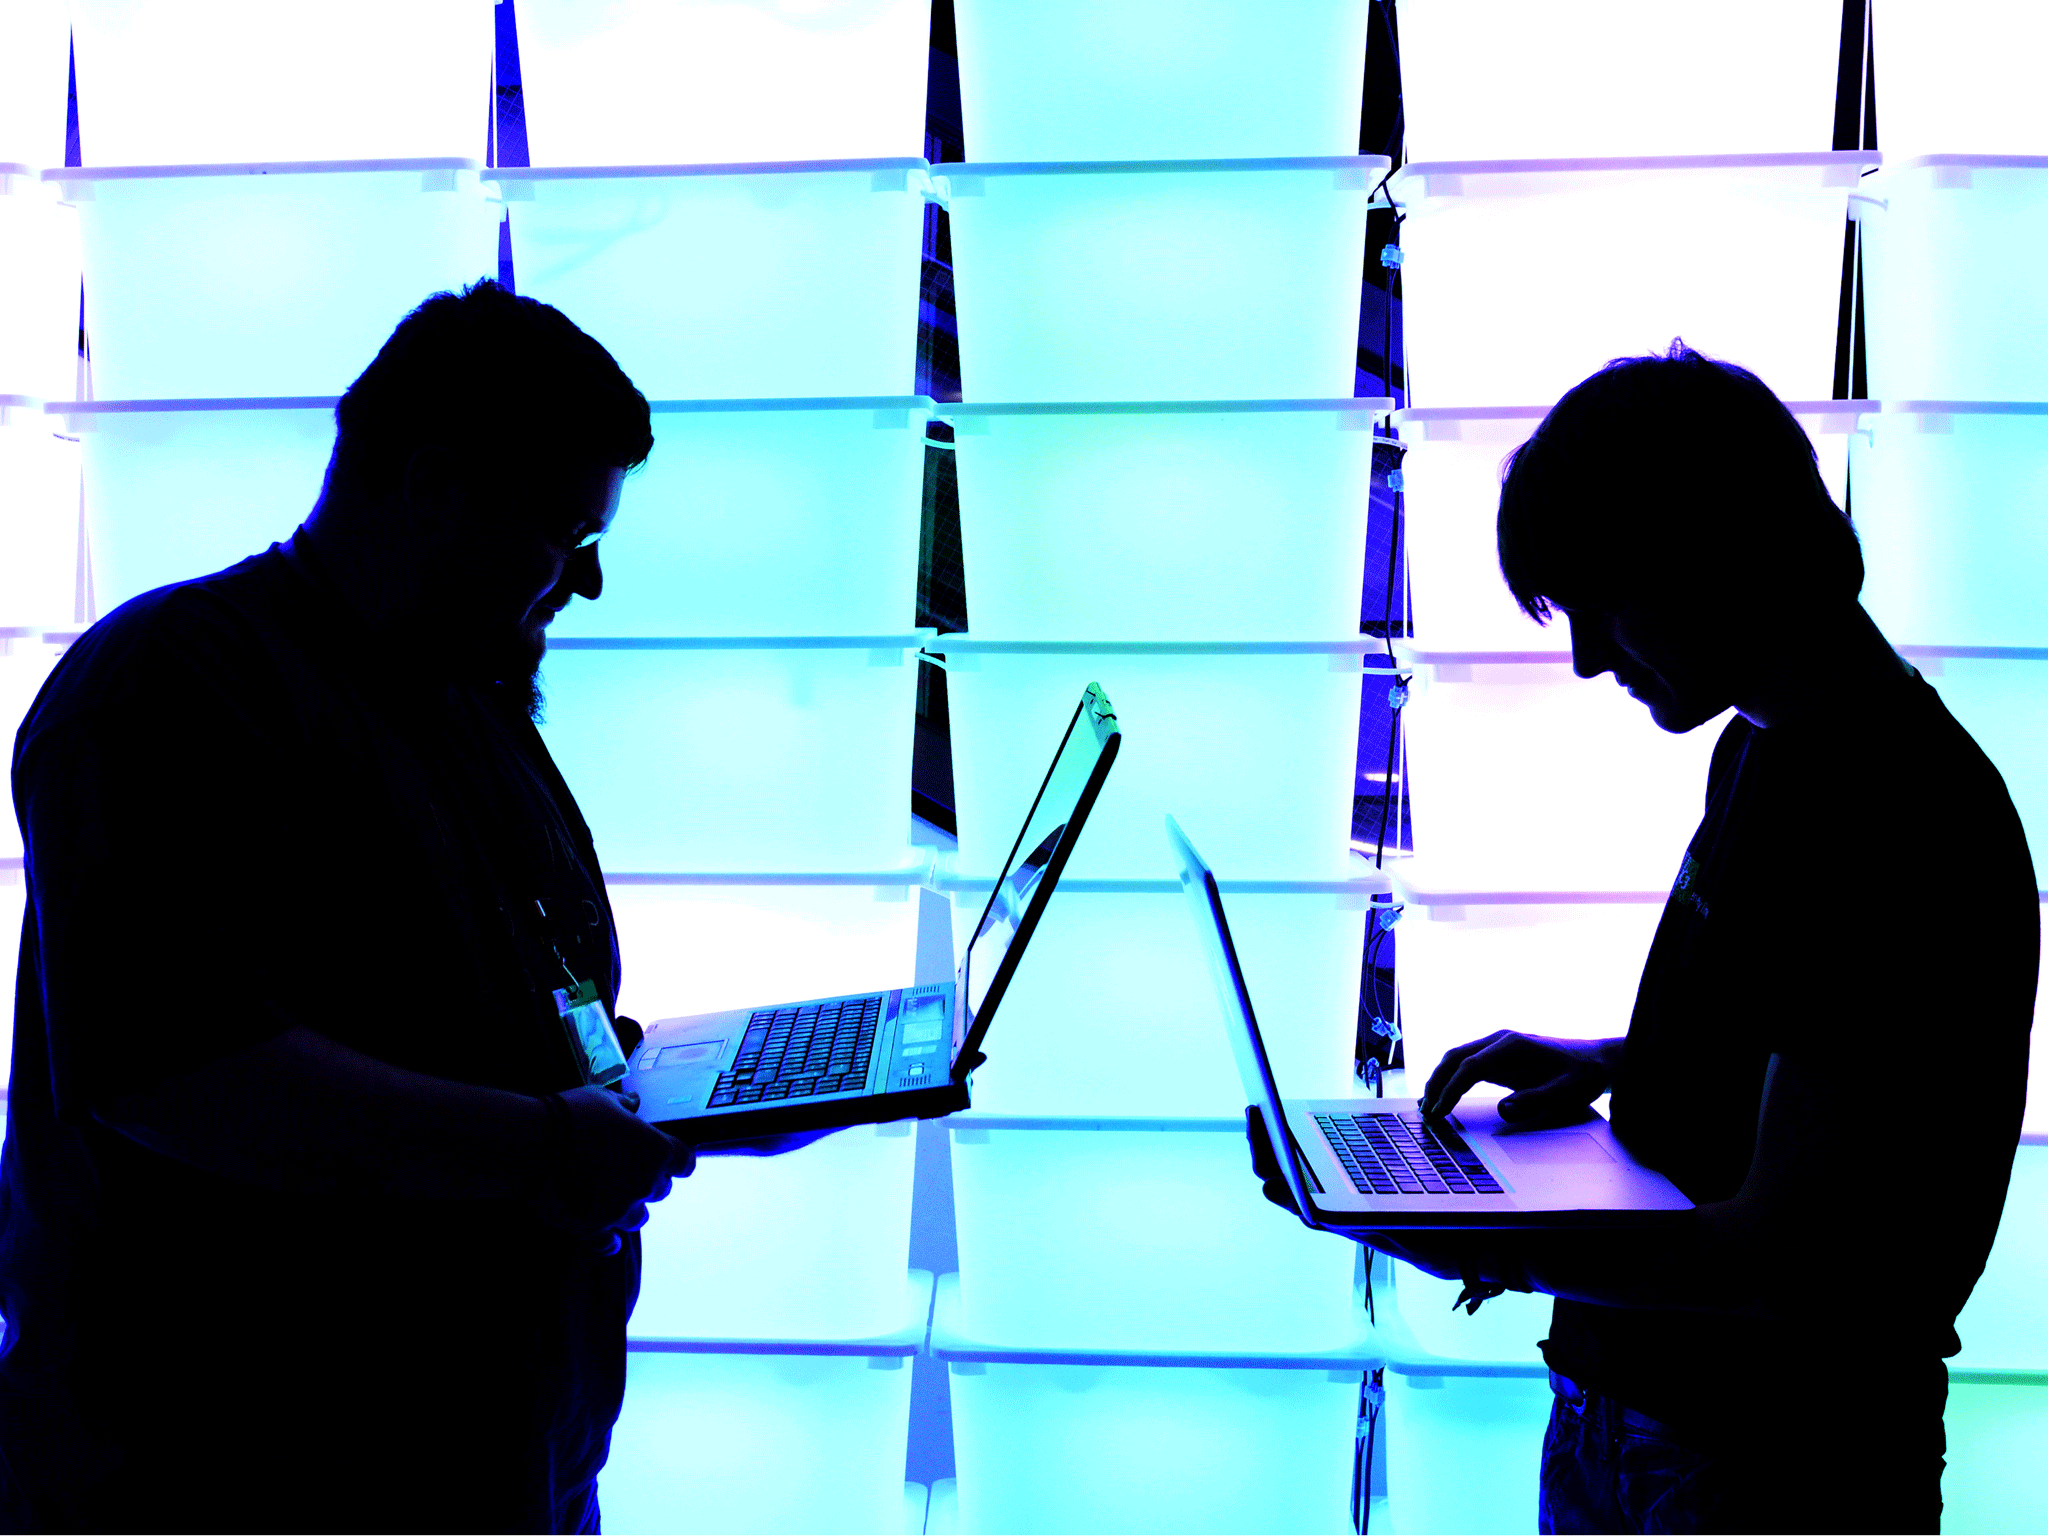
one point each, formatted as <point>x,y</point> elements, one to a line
<point>588,1023</point>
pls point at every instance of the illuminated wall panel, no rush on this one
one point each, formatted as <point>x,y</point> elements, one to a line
<point>207,82</point>
<point>1961,75</point>
<point>1237,522</point>
<point>1481,79</point>
<point>1995,1433</point>
<point>39,275</point>
<point>1201,724</point>
<point>13,904</point>
<point>35,40</point>
<point>738,755</point>
<point>173,492</point>
<point>1419,1323</point>
<point>1190,280</point>
<point>1523,277</point>
<point>752,518</point>
<point>1164,80</point>
<point>24,663</point>
<point>2003,703</point>
<point>1464,1447</point>
<point>38,524</point>
<point>650,82</point>
<point>240,281</point>
<point>712,283</point>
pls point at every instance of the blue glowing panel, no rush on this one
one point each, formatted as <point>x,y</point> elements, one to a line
<point>1179,281</point>
<point>172,494</point>
<point>780,281</point>
<point>1956,308</point>
<point>767,521</point>
<point>1256,749</point>
<point>1213,523</point>
<point>1960,76</point>
<point>758,758</point>
<point>1463,1451</point>
<point>1521,279</point>
<point>1121,1236</point>
<point>2003,1327</point>
<point>207,82</point>
<point>1492,79</point>
<point>1160,79</point>
<point>649,82</point>
<point>234,284</point>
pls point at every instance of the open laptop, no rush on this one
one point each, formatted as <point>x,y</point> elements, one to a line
<point>834,1061</point>
<point>1363,1165</point>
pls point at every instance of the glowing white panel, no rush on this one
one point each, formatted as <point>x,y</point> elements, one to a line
<point>2002,1327</point>
<point>38,524</point>
<point>752,518</point>
<point>13,903</point>
<point>722,81</point>
<point>1463,1450</point>
<point>24,664</point>
<point>1948,506</point>
<point>1253,748</point>
<point>35,39</point>
<point>1205,1443</point>
<point>1452,473</point>
<point>1961,75</point>
<point>1523,277</point>
<point>1472,962</point>
<point>269,281</point>
<point>211,81</point>
<point>1115,977</point>
<point>1484,79</point>
<point>39,276</point>
<point>1164,80</point>
<point>1523,776</point>
<point>784,1439</point>
<point>810,1244</point>
<point>172,493</point>
<point>1128,523</point>
<point>1955,306</point>
<point>702,946</point>
<point>1995,1432</point>
<point>736,755</point>
<point>2003,703</point>
<point>722,284</point>
<point>1190,280</point>
<point>1122,1234</point>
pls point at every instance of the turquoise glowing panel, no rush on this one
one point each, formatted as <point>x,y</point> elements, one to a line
<point>38,291</point>
<point>1993,1481</point>
<point>656,82</point>
<point>1254,754</point>
<point>1160,79</point>
<point>1121,525</point>
<point>171,495</point>
<point>791,282</point>
<point>758,759</point>
<point>722,1443</point>
<point>1463,1451</point>
<point>1949,508</point>
<point>207,82</point>
<point>767,522</point>
<point>1961,76</point>
<point>1520,283</point>
<point>38,526</point>
<point>1598,798</point>
<point>1160,283</point>
<point>1147,1021</point>
<point>2003,1328</point>
<point>1956,308</point>
<point>1426,1319</point>
<point>1497,79</point>
<point>35,38</point>
<point>1135,1239</point>
<point>235,286</point>
<point>1137,1448</point>
<point>808,1245</point>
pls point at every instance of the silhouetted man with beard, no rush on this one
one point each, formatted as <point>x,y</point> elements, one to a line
<point>309,1217</point>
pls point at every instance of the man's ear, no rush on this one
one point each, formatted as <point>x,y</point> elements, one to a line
<point>438,493</point>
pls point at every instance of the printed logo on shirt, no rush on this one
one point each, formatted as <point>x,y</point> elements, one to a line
<point>1686,890</point>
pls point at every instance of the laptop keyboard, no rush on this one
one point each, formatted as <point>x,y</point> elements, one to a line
<point>1398,1152</point>
<point>802,1053</point>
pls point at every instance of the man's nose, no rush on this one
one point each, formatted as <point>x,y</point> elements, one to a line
<point>1591,654</point>
<point>584,576</point>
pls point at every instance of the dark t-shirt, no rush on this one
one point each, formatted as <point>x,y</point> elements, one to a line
<point>1859,896</point>
<point>244,815</point>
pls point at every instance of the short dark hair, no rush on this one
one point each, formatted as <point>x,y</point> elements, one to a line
<point>487,372</point>
<point>1675,477</point>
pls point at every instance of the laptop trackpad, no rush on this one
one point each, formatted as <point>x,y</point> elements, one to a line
<point>1538,1147</point>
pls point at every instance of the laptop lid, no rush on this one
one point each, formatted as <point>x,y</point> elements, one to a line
<point>1254,1070</point>
<point>1041,851</point>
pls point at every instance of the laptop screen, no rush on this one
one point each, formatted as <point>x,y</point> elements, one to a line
<point>1033,868</point>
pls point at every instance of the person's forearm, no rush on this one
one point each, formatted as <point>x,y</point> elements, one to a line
<point>301,1112</point>
<point>1710,1261</point>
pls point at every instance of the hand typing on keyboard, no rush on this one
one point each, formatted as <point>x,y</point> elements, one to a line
<point>1554,1081</point>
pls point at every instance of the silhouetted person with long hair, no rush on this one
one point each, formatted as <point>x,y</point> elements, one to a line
<point>308,1218</point>
<point>1828,1051</point>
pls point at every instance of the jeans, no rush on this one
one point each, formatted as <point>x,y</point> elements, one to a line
<point>1608,1468</point>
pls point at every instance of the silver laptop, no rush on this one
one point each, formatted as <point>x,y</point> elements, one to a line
<point>827,1062</point>
<point>1364,1165</point>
